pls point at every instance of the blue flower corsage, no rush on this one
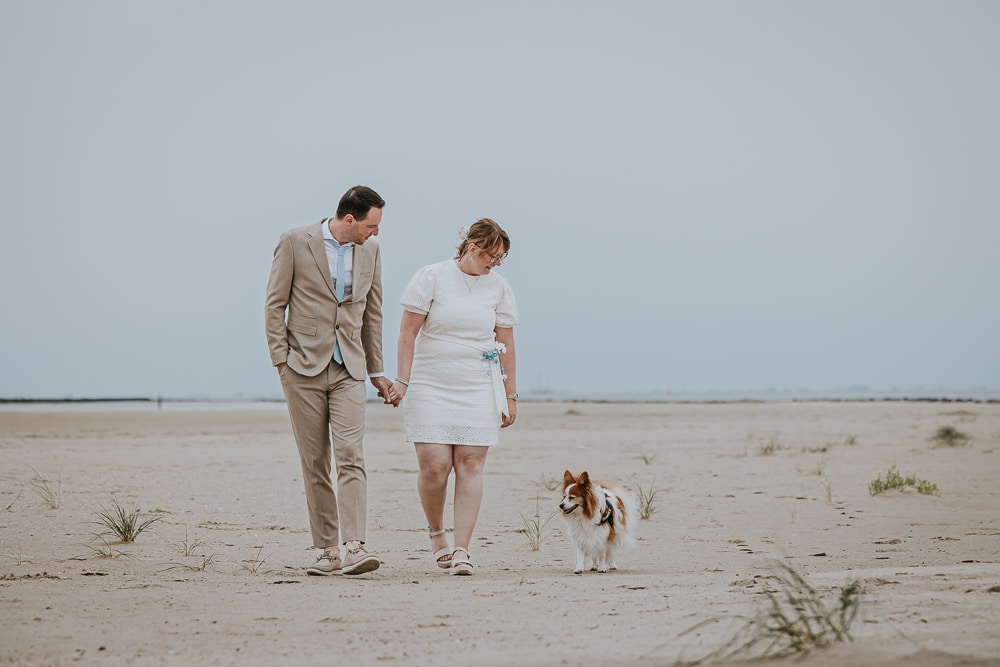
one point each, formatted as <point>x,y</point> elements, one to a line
<point>492,356</point>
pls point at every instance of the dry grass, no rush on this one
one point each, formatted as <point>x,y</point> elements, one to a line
<point>770,445</point>
<point>534,528</point>
<point>255,562</point>
<point>647,499</point>
<point>49,492</point>
<point>792,619</point>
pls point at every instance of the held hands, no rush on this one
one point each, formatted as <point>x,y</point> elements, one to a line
<point>386,391</point>
<point>399,389</point>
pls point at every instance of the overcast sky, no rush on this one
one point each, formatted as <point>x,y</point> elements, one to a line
<point>702,196</point>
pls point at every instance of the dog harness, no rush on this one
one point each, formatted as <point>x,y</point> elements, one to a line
<point>608,515</point>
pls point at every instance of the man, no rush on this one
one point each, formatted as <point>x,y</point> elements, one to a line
<point>328,281</point>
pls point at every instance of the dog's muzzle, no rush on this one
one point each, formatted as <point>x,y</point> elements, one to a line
<point>568,510</point>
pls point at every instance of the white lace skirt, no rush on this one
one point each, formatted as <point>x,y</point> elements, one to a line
<point>450,399</point>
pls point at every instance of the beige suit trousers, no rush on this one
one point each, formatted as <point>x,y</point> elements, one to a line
<point>332,402</point>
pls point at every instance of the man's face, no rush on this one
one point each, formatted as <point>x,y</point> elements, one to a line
<point>362,230</point>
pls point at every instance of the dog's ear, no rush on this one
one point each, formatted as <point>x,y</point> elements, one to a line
<point>568,478</point>
<point>584,478</point>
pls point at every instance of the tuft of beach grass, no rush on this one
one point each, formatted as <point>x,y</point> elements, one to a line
<point>646,495</point>
<point>534,528</point>
<point>103,550</point>
<point>49,492</point>
<point>124,522</point>
<point>894,479</point>
<point>188,546</point>
<point>255,562</point>
<point>197,566</point>
<point>949,436</point>
<point>792,619</point>
<point>770,445</point>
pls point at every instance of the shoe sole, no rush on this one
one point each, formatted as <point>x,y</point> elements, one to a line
<point>313,572</point>
<point>367,564</point>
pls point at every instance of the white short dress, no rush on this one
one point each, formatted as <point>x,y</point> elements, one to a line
<point>457,366</point>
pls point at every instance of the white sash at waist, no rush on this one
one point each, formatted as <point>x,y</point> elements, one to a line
<point>491,362</point>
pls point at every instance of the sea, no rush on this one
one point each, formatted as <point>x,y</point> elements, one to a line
<point>131,404</point>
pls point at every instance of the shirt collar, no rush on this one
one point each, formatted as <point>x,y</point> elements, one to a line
<point>327,236</point>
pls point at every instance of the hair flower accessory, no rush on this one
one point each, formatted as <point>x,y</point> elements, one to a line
<point>462,233</point>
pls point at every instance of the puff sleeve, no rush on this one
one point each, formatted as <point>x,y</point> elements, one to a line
<point>419,294</point>
<point>506,307</point>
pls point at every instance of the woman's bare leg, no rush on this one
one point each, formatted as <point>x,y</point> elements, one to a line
<point>435,463</point>
<point>468,462</point>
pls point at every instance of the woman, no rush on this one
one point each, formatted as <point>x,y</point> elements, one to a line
<point>457,379</point>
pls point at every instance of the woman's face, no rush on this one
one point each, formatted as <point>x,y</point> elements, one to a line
<point>483,261</point>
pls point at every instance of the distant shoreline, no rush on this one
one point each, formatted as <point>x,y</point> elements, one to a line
<point>981,396</point>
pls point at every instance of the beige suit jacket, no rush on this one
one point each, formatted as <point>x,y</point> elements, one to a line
<point>302,317</point>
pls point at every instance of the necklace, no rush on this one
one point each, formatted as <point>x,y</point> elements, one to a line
<point>465,277</point>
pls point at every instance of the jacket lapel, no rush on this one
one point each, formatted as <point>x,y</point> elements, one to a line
<point>318,247</point>
<point>363,262</point>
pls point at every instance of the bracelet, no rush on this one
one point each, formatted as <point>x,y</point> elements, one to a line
<point>403,382</point>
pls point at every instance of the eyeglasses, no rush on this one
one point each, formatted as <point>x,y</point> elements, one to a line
<point>494,259</point>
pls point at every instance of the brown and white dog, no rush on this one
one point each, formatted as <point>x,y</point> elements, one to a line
<point>600,519</point>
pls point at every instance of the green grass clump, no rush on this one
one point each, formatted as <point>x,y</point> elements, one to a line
<point>792,619</point>
<point>894,479</point>
<point>534,528</point>
<point>647,500</point>
<point>949,436</point>
<point>124,522</point>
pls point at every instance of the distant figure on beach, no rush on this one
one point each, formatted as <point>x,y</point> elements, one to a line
<point>457,379</point>
<point>323,318</point>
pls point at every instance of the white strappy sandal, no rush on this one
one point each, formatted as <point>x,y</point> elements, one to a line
<point>442,552</point>
<point>459,565</point>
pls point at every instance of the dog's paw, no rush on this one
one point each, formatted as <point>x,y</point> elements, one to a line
<point>577,571</point>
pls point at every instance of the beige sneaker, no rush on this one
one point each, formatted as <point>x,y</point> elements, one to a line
<point>328,563</point>
<point>359,561</point>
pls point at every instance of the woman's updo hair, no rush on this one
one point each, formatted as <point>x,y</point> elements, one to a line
<point>486,234</point>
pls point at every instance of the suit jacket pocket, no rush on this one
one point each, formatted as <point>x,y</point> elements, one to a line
<point>362,283</point>
<point>304,325</point>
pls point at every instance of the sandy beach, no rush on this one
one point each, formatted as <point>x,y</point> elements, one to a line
<point>218,579</point>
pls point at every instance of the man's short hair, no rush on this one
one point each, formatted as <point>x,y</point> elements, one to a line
<point>358,201</point>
